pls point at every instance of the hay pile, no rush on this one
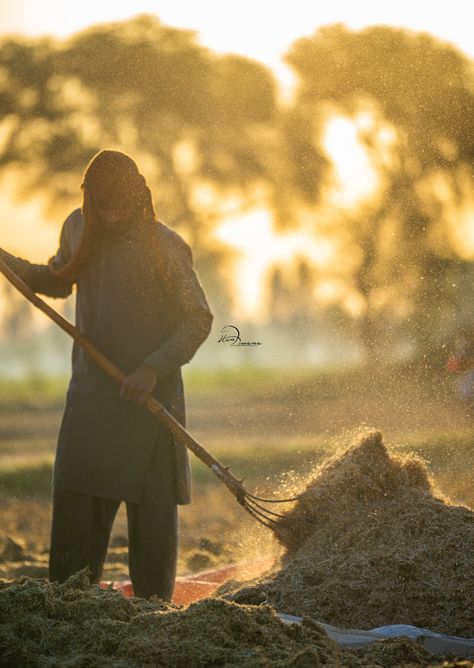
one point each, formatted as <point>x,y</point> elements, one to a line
<point>77,626</point>
<point>370,545</point>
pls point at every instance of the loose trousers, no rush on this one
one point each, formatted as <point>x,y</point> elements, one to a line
<point>81,527</point>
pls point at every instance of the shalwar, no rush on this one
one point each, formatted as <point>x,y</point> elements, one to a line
<point>81,527</point>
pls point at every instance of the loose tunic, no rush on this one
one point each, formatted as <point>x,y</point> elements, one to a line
<point>138,300</point>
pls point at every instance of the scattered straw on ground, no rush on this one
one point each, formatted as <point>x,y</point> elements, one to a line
<point>369,544</point>
<point>75,625</point>
<point>78,626</point>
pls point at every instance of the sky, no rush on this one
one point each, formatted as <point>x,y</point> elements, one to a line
<point>262,29</point>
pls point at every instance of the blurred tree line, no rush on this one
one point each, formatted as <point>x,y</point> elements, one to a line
<point>207,128</point>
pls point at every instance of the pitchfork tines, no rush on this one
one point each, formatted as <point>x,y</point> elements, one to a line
<point>251,502</point>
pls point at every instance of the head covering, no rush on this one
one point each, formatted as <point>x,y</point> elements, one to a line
<point>110,176</point>
<point>113,174</point>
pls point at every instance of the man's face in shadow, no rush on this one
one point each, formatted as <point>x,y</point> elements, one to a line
<point>115,213</point>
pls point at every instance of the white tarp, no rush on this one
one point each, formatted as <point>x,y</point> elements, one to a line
<point>437,643</point>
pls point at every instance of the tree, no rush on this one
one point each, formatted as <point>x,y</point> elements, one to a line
<point>421,91</point>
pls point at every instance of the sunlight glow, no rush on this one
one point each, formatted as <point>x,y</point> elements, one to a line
<point>462,231</point>
<point>259,249</point>
<point>355,177</point>
<point>24,230</point>
<point>458,230</point>
<point>27,233</point>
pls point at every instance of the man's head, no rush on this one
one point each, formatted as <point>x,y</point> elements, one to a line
<point>114,191</point>
<point>115,195</point>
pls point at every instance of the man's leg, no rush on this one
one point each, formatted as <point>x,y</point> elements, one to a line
<point>80,533</point>
<point>153,527</point>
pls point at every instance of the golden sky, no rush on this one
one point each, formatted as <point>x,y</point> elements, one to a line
<point>262,29</point>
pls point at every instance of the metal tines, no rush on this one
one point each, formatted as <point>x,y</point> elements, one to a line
<point>267,517</point>
<point>252,503</point>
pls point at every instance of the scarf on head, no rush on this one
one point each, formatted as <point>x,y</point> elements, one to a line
<point>114,177</point>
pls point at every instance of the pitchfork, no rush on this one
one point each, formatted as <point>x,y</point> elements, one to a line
<point>251,502</point>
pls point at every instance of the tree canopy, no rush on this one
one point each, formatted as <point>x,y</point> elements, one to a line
<point>206,126</point>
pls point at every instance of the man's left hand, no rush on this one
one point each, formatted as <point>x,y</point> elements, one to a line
<point>139,385</point>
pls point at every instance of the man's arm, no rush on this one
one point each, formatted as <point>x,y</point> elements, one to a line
<point>195,316</point>
<point>39,277</point>
<point>195,320</point>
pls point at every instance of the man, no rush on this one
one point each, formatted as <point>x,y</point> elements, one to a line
<point>140,302</point>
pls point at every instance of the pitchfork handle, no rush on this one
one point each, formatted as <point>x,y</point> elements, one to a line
<point>154,406</point>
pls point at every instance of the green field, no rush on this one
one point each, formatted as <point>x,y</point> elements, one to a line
<point>272,427</point>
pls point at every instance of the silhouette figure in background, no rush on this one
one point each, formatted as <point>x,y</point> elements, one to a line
<point>140,302</point>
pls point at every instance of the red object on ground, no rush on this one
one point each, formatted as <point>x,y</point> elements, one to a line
<point>453,365</point>
<point>203,584</point>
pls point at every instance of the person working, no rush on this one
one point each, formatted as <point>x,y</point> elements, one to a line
<point>140,303</point>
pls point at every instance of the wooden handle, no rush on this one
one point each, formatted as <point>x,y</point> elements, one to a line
<point>152,404</point>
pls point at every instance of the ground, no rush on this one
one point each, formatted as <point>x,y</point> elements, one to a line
<point>271,426</point>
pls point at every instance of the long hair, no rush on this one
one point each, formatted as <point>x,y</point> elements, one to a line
<point>113,176</point>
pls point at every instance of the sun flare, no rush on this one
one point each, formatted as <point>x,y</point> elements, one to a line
<point>259,248</point>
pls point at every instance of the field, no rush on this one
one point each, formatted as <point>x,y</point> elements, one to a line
<point>272,427</point>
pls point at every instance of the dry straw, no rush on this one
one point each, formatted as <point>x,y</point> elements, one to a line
<point>78,626</point>
<point>370,544</point>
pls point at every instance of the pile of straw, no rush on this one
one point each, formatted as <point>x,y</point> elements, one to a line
<point>370,544</point>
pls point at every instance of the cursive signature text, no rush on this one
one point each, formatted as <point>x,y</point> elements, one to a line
<point>230,334</point>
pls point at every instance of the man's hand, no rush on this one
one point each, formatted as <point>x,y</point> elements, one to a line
<point>139,385</point>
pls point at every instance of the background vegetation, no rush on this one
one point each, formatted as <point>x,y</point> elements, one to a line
<point>213,131</point>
